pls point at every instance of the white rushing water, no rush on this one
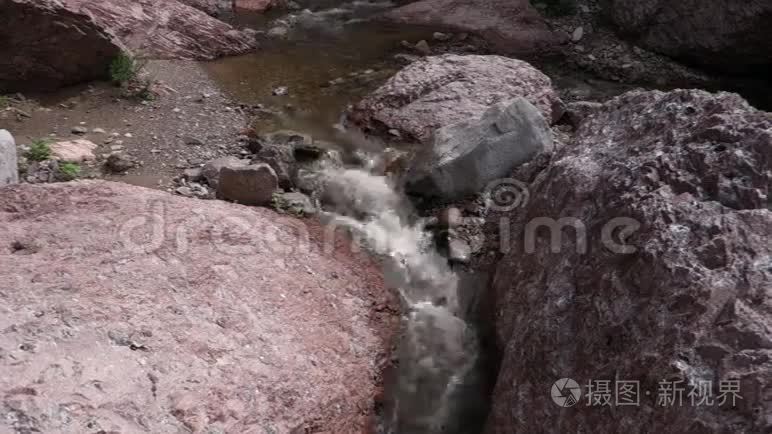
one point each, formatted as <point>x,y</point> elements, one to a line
<point>437,349</point>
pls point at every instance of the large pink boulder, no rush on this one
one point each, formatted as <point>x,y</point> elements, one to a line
<point>438,91</point>
<point>125,309</point>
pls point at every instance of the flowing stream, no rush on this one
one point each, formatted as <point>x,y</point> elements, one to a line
<point>438,350</point>
<point>331,56</point>
<point>328,55</point>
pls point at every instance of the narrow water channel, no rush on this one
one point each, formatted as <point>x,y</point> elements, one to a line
<point>332,56</point>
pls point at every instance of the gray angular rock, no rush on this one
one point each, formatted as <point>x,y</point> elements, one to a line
<point>281,158</point>
<point>248,185</point>
<point>119,163</point>
<point>437,91</point>
<point>211,170</point>
<point>423,47</point>
<point>9,167</point>
<point>670,278</point>
<point>193,174</point>
<point>465,157</point>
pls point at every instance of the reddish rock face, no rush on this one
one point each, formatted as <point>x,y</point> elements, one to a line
<point>126,309</point>
<point>682,293</point>
<point>437,91</point>
<point>731,35</point>
<point>46,45</point>
<point>165,28</point>
<point>510,26</point>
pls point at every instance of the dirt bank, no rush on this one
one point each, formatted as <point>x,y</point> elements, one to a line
<point>190,122</point>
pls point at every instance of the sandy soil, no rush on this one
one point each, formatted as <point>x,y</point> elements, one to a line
<point>190,123</point>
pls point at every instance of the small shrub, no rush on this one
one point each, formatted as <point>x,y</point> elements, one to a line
<point>69,171</point>
<point>125,68</point>
<point>39,151</point>
<point>5,102</point>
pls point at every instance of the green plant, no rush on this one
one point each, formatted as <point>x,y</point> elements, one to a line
<point>39,151</point>
<point>125,68</point>
<point>69,170</point>
<point>5,102</point>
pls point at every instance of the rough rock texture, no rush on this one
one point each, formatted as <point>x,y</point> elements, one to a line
<point>131,310</point>
<point>510,26</point>
<point>692,297</point>
<point>254,5</point>
<point>731,35</point>
<point>465,157</point>
<point>214,8</point>
<point>282,160</point>
<point>9,168</point>
<point>441,90</point>
<point>44,45</point>
<point>211,170</point>
<point>578,111</point>
<point>76,151</point>
<point>165,28</point>
<point>248,185</point>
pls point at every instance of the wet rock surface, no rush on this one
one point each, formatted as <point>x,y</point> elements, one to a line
<point>127,309</point>
<point>663,272</point>
<point>510,26</point>
<point>441,90</point>
<point>466,156</point>
<point>35,33</point>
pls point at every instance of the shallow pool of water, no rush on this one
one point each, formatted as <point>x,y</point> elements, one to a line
<point>330,58</point>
